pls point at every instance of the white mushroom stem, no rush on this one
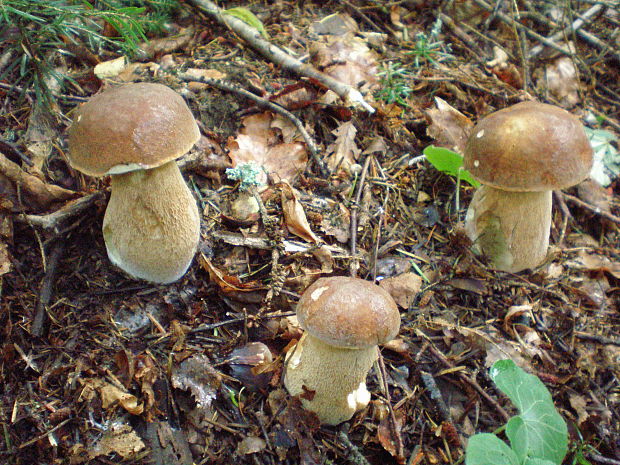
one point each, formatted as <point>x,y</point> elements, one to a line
<point>510,228</point>
<point>335,376</point>
<point>152,225</point>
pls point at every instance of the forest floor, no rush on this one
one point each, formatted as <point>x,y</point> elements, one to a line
<point>98,368</point>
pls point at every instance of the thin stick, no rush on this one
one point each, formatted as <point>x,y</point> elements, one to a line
<point>597,338</point>
<point>229,87</point>
<point>41,319</point>
<point>508,20</point>
<point>386,391</point>
<point>350,95</point>
<point>567,31</point>
<point>592,208</point>
<point>54,221</point>
<point>354,209</point>
<point>13,88</point>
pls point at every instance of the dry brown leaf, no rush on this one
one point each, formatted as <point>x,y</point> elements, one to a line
<point>403,288</point>
<point>5,259</point>
<point>561,81</point>
<point>110,395</point>
<point>594,262</point>
<point>344,151</point>
<point>346,58</point>
<point>337,24</point>
<point>250,445</point>
<point>166,44</point>
<point>121,439</point>
<point>385,434</point>
<point>449,127</point>
<point>579,405</point>
<point>593,193</point>
<point>226,283</point>
<point>252,364</point>
<point>294,215</point>
<point>261,143</point>
<point>468,284</point>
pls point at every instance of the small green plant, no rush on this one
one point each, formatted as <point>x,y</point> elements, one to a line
<point>538,435</point>
<point>393,80</point>
<point>427,49</point>
<point>449,162</point>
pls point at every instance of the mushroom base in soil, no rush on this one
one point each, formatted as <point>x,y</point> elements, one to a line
<point>314,372</point>
<point>152,224</point>
<point>510,228</point>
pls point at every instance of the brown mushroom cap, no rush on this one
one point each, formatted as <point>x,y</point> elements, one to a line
<point>348,312</point>
<point>529,147</point>
<point>130,127</point>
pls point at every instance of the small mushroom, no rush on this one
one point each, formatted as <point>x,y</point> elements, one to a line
<point>344,320</point>
<point>134,133</point>
<point>520,155</point>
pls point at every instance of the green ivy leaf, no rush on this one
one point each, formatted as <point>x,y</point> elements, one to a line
<point>248,18</point>
<point>449,162</point>
<point>539,432</point>
<point>488,449</point>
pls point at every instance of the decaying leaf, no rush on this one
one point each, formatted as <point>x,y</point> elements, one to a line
<point>561,81</point>
<point>386,433</point>
<point>346,58</point>
<point>593,262</point>
<point>403,288</point>
<point>262,143</point>
<point>250,445</point>
<point>196,375</point>
<point>119,438</point>
<point>344,151</point>
<point>294,215</point>
<point>5,259</point>
<point>226,283</point>
<point>111,395</point>
<point>449,127</point>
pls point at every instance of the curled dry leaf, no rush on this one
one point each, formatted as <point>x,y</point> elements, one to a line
<point>403,288</point>
<point>294,215</point>
<point>261,142</point>
<point>227,284</point>
<point>449,127</point>
<point>344,151</point>
<point>5,259</point>
<point>386,433</point>
<point>196,375</point>
<point>110,394</point>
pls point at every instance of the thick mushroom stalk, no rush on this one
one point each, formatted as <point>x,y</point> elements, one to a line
<point>511,228</point>
<point>345,319</point>
<point>314,372</point>
<point>152,225</point>
<point>520,155</point>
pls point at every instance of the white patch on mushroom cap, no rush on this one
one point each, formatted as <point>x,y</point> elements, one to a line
<point>476,163</point>
<point>480,134</point>
<point>317,292</point>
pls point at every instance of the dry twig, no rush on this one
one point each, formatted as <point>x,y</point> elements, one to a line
<point>350,95</point>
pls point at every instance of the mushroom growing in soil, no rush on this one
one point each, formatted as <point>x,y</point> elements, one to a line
<point>134,133</point>
<point>344,320</point>
<point>520,155</point>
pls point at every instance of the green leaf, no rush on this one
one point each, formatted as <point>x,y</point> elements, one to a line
<point>531,461</point>
<point>539,432</point>
<point>248,18</point>
<point>488,449</point>
<point>449,162</point>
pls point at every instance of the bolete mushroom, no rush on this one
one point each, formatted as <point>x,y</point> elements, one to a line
<point>134,133</point>
<point>520,155</point>
<point>344,320</point>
